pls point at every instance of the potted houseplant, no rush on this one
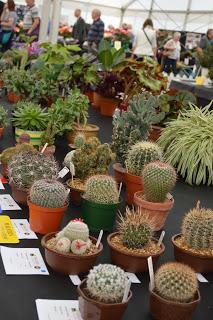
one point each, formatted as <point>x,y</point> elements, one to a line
<point>194,245</point>
<point>158,180</point>
<point>100,202</point>
<point>96,300</point>
<point>72,250</point>
<point>3,120</point>
<point>133,243</point>
<point>47,203</point>
<point>175,293</point>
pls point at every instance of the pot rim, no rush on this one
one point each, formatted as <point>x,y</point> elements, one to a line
<point>195,301</point>
<point>132,177</point>
<point>46,209</point>
<point>160,206</point>
<point>30,131</point>
<point>103,205</point>
<point>118,167</point>
<point>13,185</point>
<point>136,255</point>
<point>72,188</point>
<point>87,127</point>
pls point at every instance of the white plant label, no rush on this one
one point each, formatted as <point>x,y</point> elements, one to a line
<point>132,277</point>
<point>161,238</point>
<point>63,172</point>
<point>120,188</point>
<point>126,292</point>
<point>8,203</point>
<point>44,148</point>
<point>99,238</point>
<point>22,229</point>
<point>151,273</point>
<point>1,186</point>
<point>75,280</point>
<point>201,278</point>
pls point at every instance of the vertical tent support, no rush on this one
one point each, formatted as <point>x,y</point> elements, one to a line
<point>43,34</point>
<point>54,24</point>
<point>151,8</point>
<point>187,14</point>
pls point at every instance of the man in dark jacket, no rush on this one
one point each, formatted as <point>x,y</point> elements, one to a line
<point>79,28</point>
<point>96,32</point>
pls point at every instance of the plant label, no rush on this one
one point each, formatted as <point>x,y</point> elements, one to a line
<point>1,185</point>
<point>151,273</point>
<point>75,280</point>
<point>132,277</point>
<point>161,238</point>
<point>201,278</point>
<point>99,238</point>
<point>126,292</point>
<point>63,172</point>
<point>8,203</point>
<point>44,148</point>
<point>22,229</point>
<point>7,232</point>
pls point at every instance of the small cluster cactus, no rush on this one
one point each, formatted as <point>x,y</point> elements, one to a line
<point>48,193</point>
<point>176,282</point>
<point>159,179</point>
<point>79,140</point>
<point>106,283</point>
<point>141,154</point>
<point>197,228</point>
<point>135,229</point>
<point>101,189</point>
<point>8,153</point>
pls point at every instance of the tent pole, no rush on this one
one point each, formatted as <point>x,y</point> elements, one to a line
<point>122,16</point>
<point>151,9</point>
<point>43,34</point>
<point>55,20</point>
<point>187,14</point>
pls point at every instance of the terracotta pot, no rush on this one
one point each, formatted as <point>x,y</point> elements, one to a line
<point>1,132</point>
<point>44,220</point>
<point>200,263</point>
<point>1,84</point>
<point>108,106</point>
<point>90,130</point>
<point>155,133</point>
<point>119,173</point>
<point>93,310</point>
<point>89,95</point>
<point>49,151</point>
<point>12,97</point>
<point>131,262</point>
<point>4,170</point>
<point>70,264</point>
<point>157,212</point>
<point>133,184</point>
<point>96,100</point>
<point>75,194</point>
<point>19,195</point>
<point>162,309</point>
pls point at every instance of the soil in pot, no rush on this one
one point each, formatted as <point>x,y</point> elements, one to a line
<point>133,185</point>
<point>96,100</point>
<point>77,187</point>
<point>89,130</point>
<point>70,264</point>
<point>94,310</point>
<point>119,173</point>
<point>108,106</point>
<point>200,260</point>
<point>19,195</point>
<point>155,133</point>
<point>1,132</point>
<point>133,260</point>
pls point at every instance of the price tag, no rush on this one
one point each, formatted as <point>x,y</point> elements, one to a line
<point>63,172</point>
<point>75,280</point>
<point>132,277</point>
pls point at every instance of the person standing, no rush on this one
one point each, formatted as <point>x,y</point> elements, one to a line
<point>96,32</point>
<point>8,23</point>
<point>206,41</point>
<point>79,28</point>
<point>172,51</point>
<point>31,21</point>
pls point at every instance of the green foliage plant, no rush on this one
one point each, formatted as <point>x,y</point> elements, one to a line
<point>3,117</point>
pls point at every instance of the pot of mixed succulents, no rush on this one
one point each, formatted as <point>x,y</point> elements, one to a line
<point>158,180</point>
<point>134,243</point>
<point>72,250</point>
<point>3,120</point>
<point>102,294</point>
<point>175,294</point>
<point>194,246</point>
<point>100,202</point>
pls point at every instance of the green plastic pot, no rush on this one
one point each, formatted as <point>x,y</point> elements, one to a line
<point>99,216</point>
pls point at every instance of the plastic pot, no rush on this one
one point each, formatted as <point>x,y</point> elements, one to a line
<point>119,173</point>
<point>1,132</point>
<point>96,100</point>
<point>155,133</point>
<point>89,95</point>
<point>108,106</point>
<point>19,195</point>
<point>89,131</point>
<point>133,185</point>
<point>35,136</point>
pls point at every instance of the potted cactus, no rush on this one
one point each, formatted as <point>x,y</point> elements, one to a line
<point>101,294</point>
<point>47,203</point>
<point>138,156</point>
<point>175,294</point>
<point>72,250</point>
<point>194,246</point>
<point>3,120</point>
<point>133,243</point>
<point>158,180</point>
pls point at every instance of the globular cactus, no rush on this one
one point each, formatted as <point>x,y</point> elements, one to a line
<point>101,189</point>
<point>140,154</point>
<point>79,247</point>
<point>79,140</point>
<point>135,229</point>
<point>159,179</point>
<point>48,193</point>
<point>176,282</point>
<point>106,283</point>
<point>63,245</point>
<point>197,228</point>
<point>76,229</point>
<point>8,153</point>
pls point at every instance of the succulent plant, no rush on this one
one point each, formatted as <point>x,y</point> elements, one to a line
<point>48,193</point>
<point>78,246</point>
<point>140,154</point>
<point>135,229</point>
<point>197,228</point>
<point>106,283</point>
<point>79,140</point>
<point>158,178</point>
<point>8,153</point>
<point>75,229</point>
<point>101,189</point>
<point>176,282</point>
<point>63,245</point>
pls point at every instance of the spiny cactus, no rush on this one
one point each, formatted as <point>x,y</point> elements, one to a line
<point>135,229</point>
<point>106,283</point>
<point>176,282</point>
<point>140,154</point>
<point>8,153</point>
<point>197,228</point>
<point>79,140</point>
<point>63,245</point>
<point>78,246</point>
<point>101,189</point>
<point>76,229</point>
<point>158,178</point>
<point>48,193</point>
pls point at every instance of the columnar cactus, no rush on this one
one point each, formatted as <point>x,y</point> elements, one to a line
<point>159,179</point>
<point>197,228</point>
<point>135,229</point>
<point>48,193</point>
<point>106,283</point>
<point>101,189</point>
<point>140,154</point>
<point>176,282</point>
<point>76,229</point>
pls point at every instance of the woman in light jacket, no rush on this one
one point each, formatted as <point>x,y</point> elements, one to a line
<point>172,49</point>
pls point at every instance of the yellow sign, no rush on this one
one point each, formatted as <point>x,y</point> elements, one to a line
<point>200,81</point>
<point>7,232</point>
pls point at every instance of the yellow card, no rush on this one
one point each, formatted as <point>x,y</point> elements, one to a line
<point>200,80</point>
<point>7,232</point>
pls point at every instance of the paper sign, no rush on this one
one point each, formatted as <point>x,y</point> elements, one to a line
<point>8,203</point>
<point>75,280</point>
<point>132,277</point>
<point>63,172</point>
<point>201,278</point>
<point>1,185</point>
<point>22,229</point>
<point>58,310</point>
<point>23,261</point>
<point>7,232</point>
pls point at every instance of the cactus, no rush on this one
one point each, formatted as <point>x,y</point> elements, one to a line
<point>27,167</point>
<point>48,193</point>
<point>141,154</point>
<point>197,228</point>
<point>106,283</point>
<point>8,153</point>
<point>176,282</point>
<point>79,246</point>
<point>79,140</point>
<point>101,189</point>
<point>63,245</point>
<point>76,229</point>
<point>135,229</point>
<point>158,178</point>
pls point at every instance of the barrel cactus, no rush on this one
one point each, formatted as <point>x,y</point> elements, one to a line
<point>63,245</point>
<point>197,228</point>
<point>106,283</point>
<point>78,247</point>
<point>8,153</point>
<point>101,189</point>
<point>159,179</point>
<point>76,229</point>
<point>176,282</point>
<point>48,193</point>
<point>79,140</point>
<point>140,154</point>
